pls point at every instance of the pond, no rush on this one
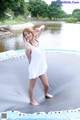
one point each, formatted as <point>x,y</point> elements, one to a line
<point>60,36</point>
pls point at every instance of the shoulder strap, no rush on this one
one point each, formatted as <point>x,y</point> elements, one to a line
<point>37,41</point>
<point>31,43</point>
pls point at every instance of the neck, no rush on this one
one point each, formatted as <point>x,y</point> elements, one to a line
<point>32,41</point>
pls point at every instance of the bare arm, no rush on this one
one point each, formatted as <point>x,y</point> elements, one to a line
<point>28,54</point>
<point>38,31</point>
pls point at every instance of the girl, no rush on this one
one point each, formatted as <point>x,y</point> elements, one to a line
<point>37,62</point>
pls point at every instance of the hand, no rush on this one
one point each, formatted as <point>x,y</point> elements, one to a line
<point>42,27</point>
<point>36,32</point>
<point>37,29</point>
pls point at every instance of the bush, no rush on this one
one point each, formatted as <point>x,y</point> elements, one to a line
<point>71,20</point>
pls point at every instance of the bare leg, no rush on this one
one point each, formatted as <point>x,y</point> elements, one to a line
<point>31,87</point>
<point>45,83</point>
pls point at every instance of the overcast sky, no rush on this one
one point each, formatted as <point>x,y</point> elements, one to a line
<point>68,5</point>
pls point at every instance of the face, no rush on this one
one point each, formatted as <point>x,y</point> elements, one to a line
<point>28,36</point>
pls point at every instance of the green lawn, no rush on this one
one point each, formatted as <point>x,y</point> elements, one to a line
<point>13,21</point>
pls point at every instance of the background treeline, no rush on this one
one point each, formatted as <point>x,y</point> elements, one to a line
<point>37,9</point>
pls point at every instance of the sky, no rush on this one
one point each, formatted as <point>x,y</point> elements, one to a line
<point>68,5</point>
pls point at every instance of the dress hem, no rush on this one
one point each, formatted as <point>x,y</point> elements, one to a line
<point>37,76</point>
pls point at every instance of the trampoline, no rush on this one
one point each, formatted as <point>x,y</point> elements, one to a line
<point>64,80</point>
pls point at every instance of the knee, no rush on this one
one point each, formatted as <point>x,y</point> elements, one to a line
<point>46,86</point>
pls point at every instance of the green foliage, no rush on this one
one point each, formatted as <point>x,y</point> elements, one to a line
<point>55,10</point>
<point>76,14</point>
<point>38,8</point>
<point>18,7</point>
<point>14,21</point>
<point>68,15</point>
<point>75,10</point>
<point>19,10</point>
<point>5,4</point>
<point>9,11</point>
<point>63,14</point>
<point>71,20</point>
<point>18,19</point>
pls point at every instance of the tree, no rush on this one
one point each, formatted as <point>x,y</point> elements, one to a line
<point>55,9</point>
<point>17,6</point>
<point>76,14</point>
<point>20,9</point>
<point>64,14</point>
<point>38,8</point>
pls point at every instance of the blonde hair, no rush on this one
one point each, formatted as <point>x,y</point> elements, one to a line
<point>30,30</point>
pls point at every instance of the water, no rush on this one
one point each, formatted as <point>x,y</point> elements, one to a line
<point>62,36</point>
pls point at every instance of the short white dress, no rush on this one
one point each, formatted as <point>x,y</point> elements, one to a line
<point>37,64</point>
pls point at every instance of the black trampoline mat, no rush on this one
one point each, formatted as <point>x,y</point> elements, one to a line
<point>64,83</point>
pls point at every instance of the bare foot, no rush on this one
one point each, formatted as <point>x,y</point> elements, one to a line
<point>49,96</point>
<point>34,102</point>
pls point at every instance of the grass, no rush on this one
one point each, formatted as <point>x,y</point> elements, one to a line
<point>13,21</point>
<point>20,20</point>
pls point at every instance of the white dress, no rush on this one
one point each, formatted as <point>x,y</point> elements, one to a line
<point>37,64</point>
